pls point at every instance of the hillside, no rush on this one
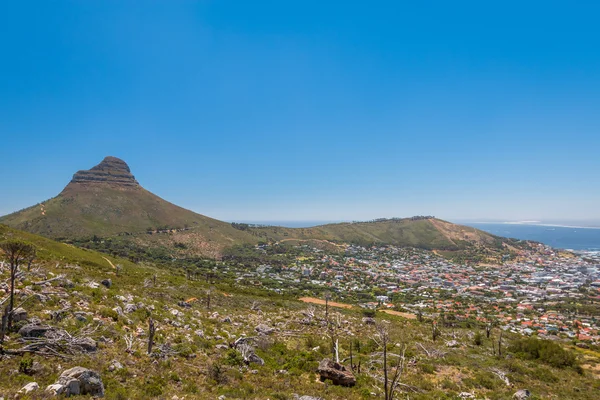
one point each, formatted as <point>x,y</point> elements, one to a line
<point>50,250</point>
<point>421,232</point>
<point>195,355</point>
<point>108,202</point>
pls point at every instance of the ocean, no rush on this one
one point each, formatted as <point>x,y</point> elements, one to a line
<point>556,236</point>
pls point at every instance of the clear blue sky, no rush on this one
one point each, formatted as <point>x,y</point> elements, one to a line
<point>309,110</point>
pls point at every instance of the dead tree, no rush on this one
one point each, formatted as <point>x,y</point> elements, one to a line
<point>30,259</point>
<point>333,328</point>
<point>392,372</point>
<point>500,344</point>
<point>435,332</point>
<point>151,332</point>
<point>327,296</point>
<point>209,293</point>
<point>4,324</point>
<point>16,251</point>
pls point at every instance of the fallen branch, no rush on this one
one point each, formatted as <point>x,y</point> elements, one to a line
<point>49,280</point>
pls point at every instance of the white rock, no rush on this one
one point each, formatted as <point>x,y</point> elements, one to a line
<point>30,387</point>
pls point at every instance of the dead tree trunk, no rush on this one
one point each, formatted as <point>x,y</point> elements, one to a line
<point>151,331</point>
<point>500,344</point>
<point>13,275</point>
<point>434,330</point>
<point>4,324</point>
<point>351,363</point>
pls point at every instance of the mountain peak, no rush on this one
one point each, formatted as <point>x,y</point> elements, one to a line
<point>112,171</point>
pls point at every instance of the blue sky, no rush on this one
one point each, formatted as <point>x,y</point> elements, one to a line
<point>309,110</point>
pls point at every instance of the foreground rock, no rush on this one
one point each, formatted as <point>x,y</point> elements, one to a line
<point>336,372</point>
<point>522,394</point>
<point>34,330</point>
<point>77,381</point>
<point>30,387</point>
<point>19,314</point>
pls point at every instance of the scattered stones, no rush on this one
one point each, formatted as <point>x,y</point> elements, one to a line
<point>107,283</point>
<point>336,372</point>
<point>368,321</point>
<point>80,316</point>
<point>129,308</point>
<point>59,315</point>
<point>263,329</point>
<point>78,381</point>
<point>522,394</point>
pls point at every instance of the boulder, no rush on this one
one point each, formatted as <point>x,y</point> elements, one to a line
<point>263,329</point>
<point>522,394</point>
<point>107,283</point>
<point>78,381</point>
<point>19,314</point>
<point>80,316</point>
<point>30,387</point>
<point>115,366</point>
<point>452,343</point>
<point>336,372</point>
<point>129,308</point>
<point>368,321</point>
<point>34,330</point>
<point>86,344</point>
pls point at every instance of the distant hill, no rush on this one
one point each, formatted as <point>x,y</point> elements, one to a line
<point>428,233</point>
<point>107,201</point>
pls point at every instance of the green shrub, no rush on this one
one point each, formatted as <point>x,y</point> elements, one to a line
<point>546,351</point>
<point>234,358</point>
<point>478,339</point>
<point>25,365</point>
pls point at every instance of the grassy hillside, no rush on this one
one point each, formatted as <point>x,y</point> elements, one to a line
<point>426,233</point>
<point>107,202</point>
<point>52,251</point>
<point>193,358</point>
<point>85,211</point>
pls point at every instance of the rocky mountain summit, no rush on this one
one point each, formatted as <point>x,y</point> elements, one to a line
<point>111,170</point>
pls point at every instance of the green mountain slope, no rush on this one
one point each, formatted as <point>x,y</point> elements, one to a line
<point>107,201</point>
<point>50,250</point>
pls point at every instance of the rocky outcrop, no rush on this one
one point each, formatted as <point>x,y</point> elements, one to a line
<point>336,372</point>
<point>111,170</point>
<point>77,381</point>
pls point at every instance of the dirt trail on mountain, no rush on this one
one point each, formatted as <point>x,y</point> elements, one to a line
<point>110,262</point>
<point>314,300</point>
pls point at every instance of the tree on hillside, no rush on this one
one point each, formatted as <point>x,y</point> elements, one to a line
<point>16,251</point>
<point>392,371</point>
